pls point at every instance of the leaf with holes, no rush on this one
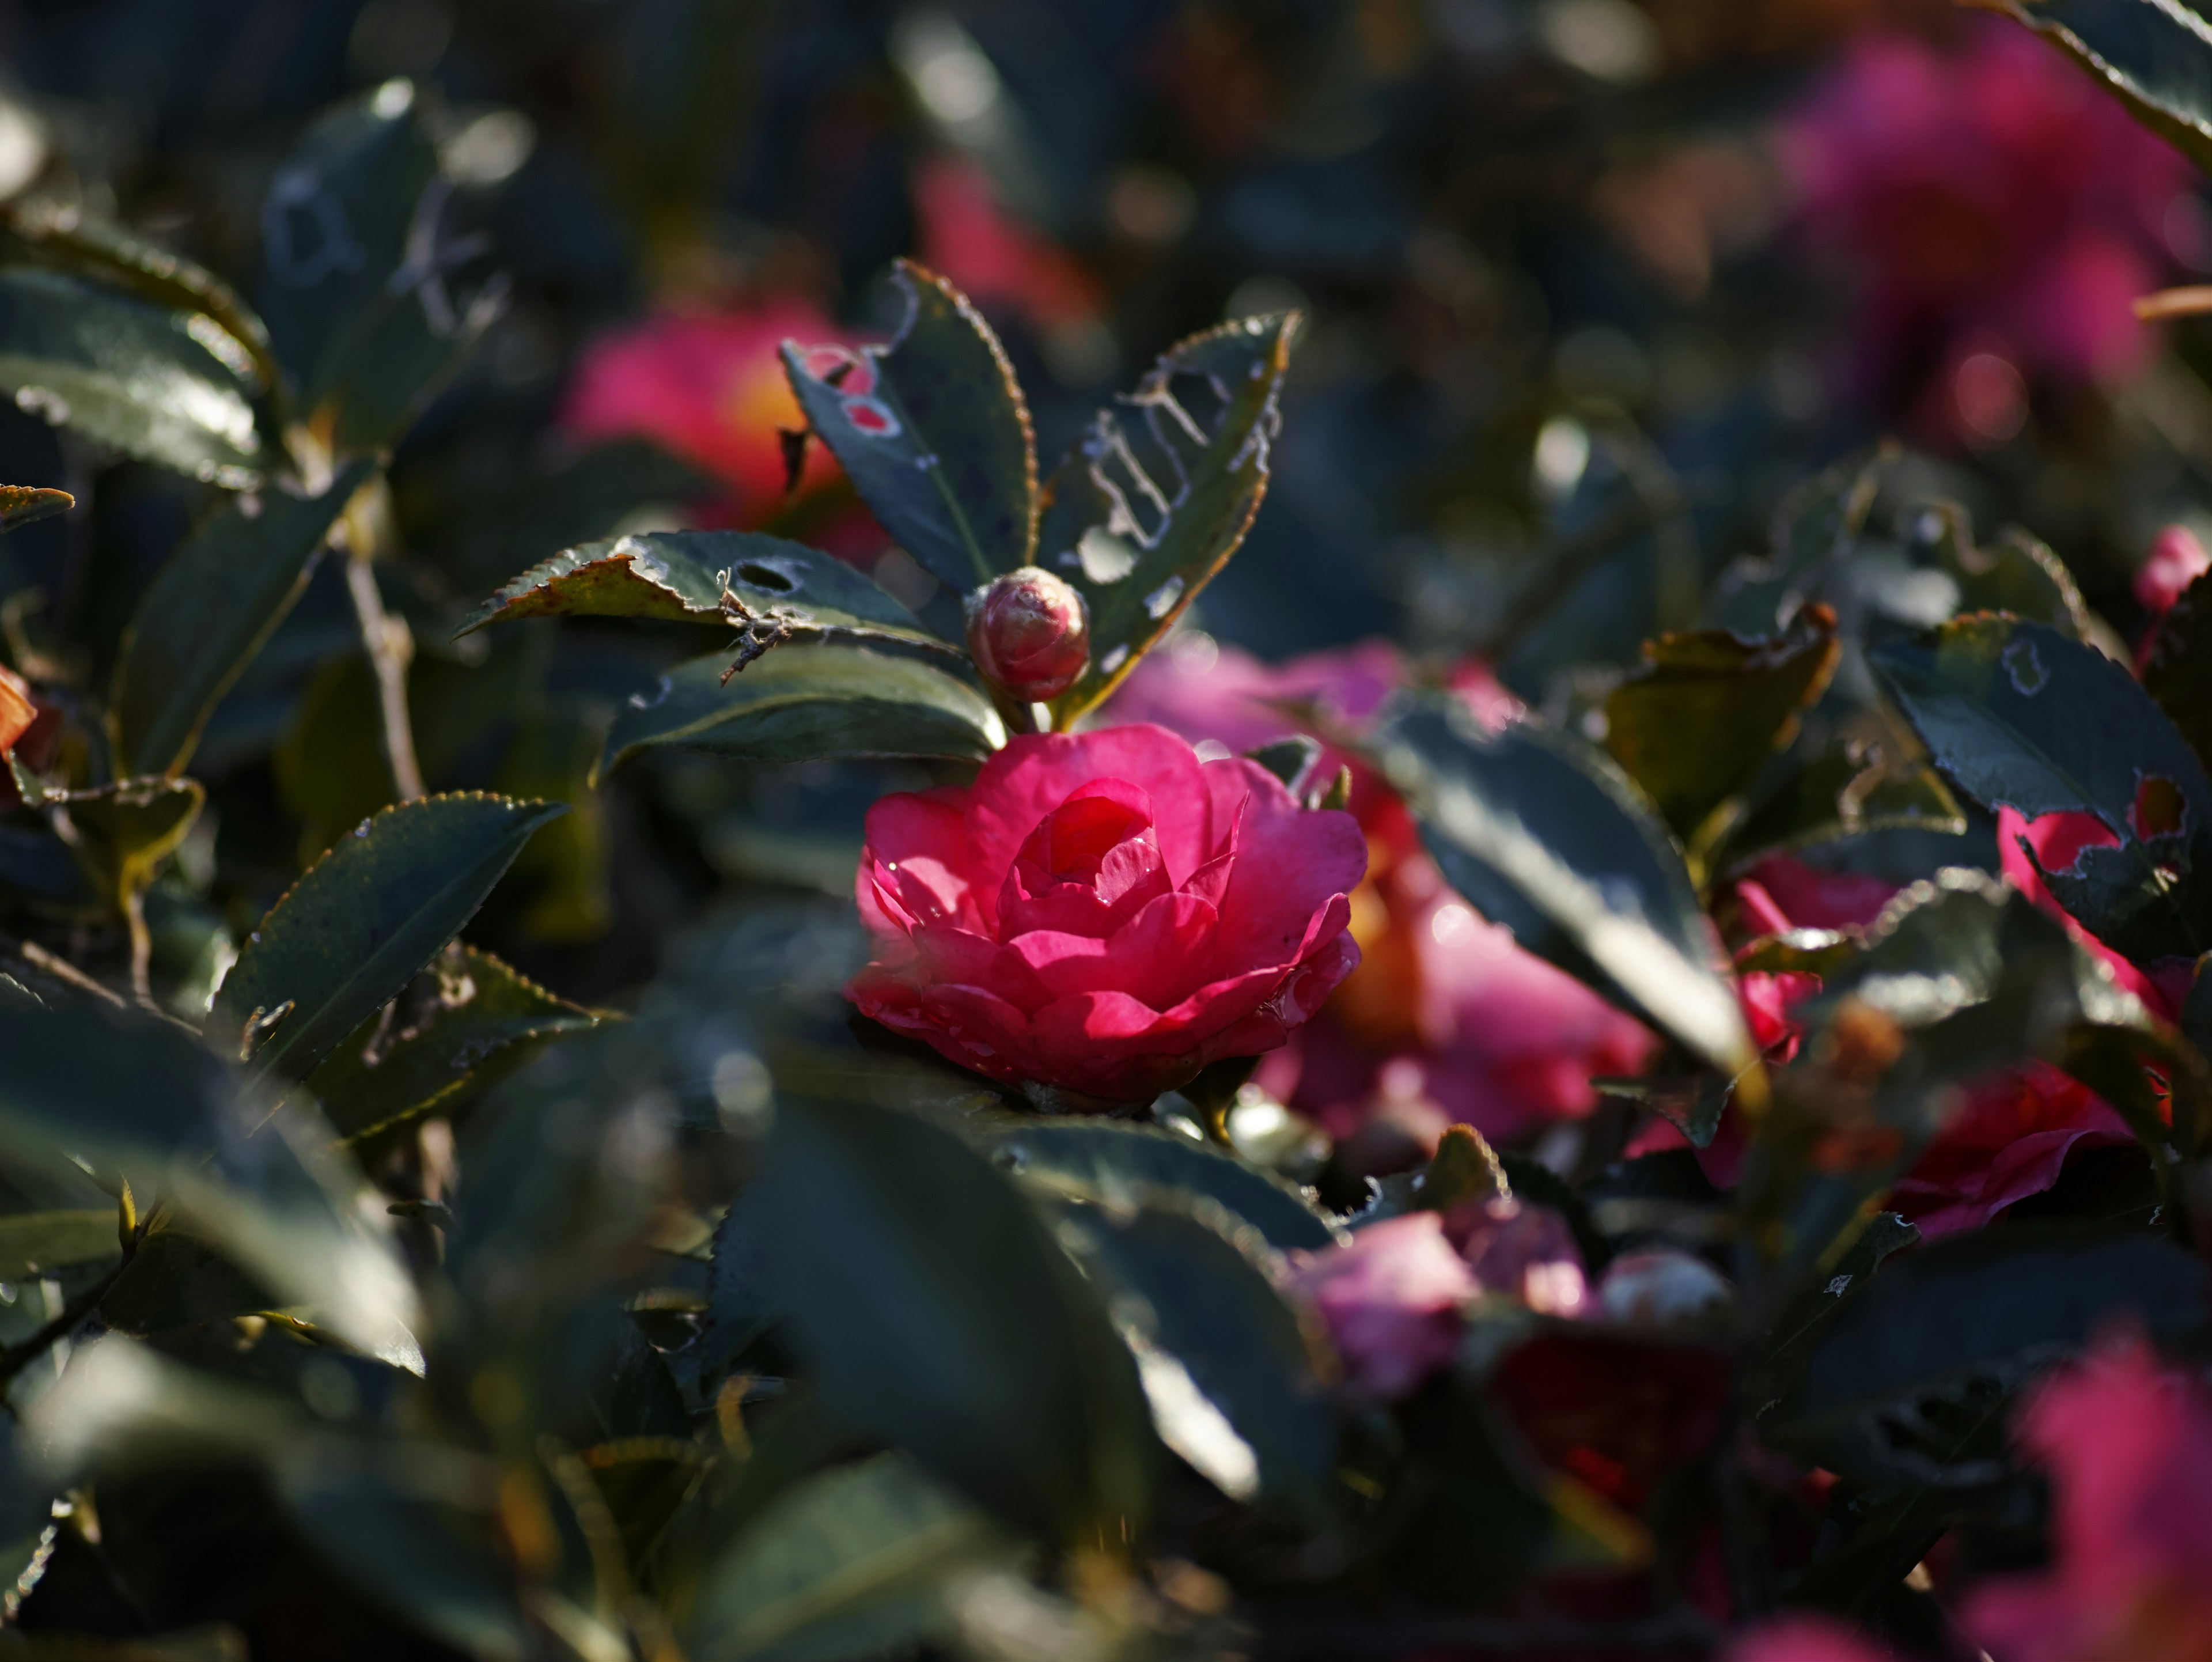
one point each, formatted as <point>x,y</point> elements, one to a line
<point>207,611</point>
<point>805,703</point>
<point>932,432</point>
<point>2177,670</point>
<point>2018,716</point>
<point>463,1024</point>
<point>1543,835</point>
<point>1155,498</point>
<point>130,374</point>
<point>2154,56</point>
<point>26,504</point>
<point>1740,698</point>
<point>2015,573</point>
<point>936,1313</point>
<point>123,832</point>
<point>359,279</point>
<point>369,914</point>
<point>676,576</point>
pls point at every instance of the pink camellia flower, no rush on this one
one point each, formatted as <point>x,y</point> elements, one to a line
<point>995,258</point>
<point>1390,1301</point>
<point>1446,1019</point>
<point>2057,840</point>
<point>1029,632</point>
<point>2002,212</point>
<point>2010,1140</point>
<point>1519,1251</point>
<point>1803,1639</point>
<point>2128,1447</point>
<point>1104,913</point>
<point>708,387</point>
<point>2177,559</point>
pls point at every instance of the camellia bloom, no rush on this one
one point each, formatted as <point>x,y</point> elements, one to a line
<point>708,387</point>
<point>1104,913</point>
<point>2002,211</point>
<point>2128,1447</point>
<point>1446,1019</point>
<point>1390,1301</point>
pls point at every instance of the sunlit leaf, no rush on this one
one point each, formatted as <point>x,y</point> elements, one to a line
<point>2154,56</point>
<point>368,915</point>
<point>932,432</point>
<point>1154,498</point>
<point>25,505</point>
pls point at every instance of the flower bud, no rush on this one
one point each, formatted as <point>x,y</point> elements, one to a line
<point>1029,634</point>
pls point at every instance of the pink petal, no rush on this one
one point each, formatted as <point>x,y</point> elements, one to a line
<point>1151,957</point>
<point>1290,865</point>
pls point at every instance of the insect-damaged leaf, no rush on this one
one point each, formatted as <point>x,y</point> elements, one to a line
<point>2014,572</point>
<point>676,576</point>
<point>2154,56</point>
<point>122,832</point>
<point>160,384</point>
<point>206,613</point>
<point>932,432</point>
<point>1543,835</point>
<point>2018,716</point>
<point>937,1313</point>
<point>806,703</point>
<point>1695,724</point>
<point>1153,500</point>
<point>365,917</point>
<point>465,1022</point>
<point>359,277</point>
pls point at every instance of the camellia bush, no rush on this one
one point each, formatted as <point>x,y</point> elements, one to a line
<point>1332,1159</point>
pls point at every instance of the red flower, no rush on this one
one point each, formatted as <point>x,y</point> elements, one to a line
<point>2010,1141</point>
<point>2058,840</point>
<point>708,387</point>
<point>1390,1301</point>
<point>996,259</point>
<point>2128,1447</point>
<point>2177,559</point>
<point>1104,912</point>
<point>1446,1019</point>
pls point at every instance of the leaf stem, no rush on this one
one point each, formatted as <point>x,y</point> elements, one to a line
<point>391,649</point>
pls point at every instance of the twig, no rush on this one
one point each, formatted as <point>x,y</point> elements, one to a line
<point>391,648</point>
<point>60,969</point>
<point>2189,302</point>
<point>759,632</point>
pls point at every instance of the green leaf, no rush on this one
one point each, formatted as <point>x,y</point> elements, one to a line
<point>2016,714</point>
<point>2179,672</point>
<point>465,1022</point>
<point>851,1563</point>
<point>207,611</point>
<point>1910,1383</point>
<point>358,279</point>
<point>932,432</point>
<point>41,871</point>
<point>1229,1366</point>
<point>332,769</point>
<point>1118,1165</point>
<point>2154,56</point>
<point>368,915</point>
<point>1153,500</point>
<point>35,1243</point>
<point>123,831</point>
<point>1545,836</point>
<point>27,504</point>
<point>2016,573</point>
<point>806,703</point>
<point>1804,1319</point>
<point>129,374</point>
<point>675,576</point>
<point>936,1313</point>
<point>1740,698</point>
<point>176,1280</point>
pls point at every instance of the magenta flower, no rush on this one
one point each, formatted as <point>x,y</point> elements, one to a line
<point>1390,1301</point>
<point>1103,913</point>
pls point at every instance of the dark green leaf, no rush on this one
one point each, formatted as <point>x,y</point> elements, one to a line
<point>2154,56</point>
<point>2017,714</point>
<point>358,279</point>
<point>803,703</point>
<point>1804,1319</point>
<point>368,915</point>
<point>1120,1165</point>
<point>1290,760</point>
<point>851,1563</point>
<point>463,1024</point>
<point>1229,1366</point>
<point>676,576</point>
<point>123,831</point>
<point>176,1280</point>
<point>932,432</point>
<point>26,504</point>
<point>129,375</point>
<point>206,613</point>
<point>1543,835</point>
<point>1153,500</point>
<point>1910,1380</point>
<point>38,865</point>
<point>2178,673</point>
<point>2016,573</point>
<point>36,1243</point>
<point>939,1315</point>
<point>1740,698</point>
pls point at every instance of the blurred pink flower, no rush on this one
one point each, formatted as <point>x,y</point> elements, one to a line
<point>2010,1140</point>
<point>999,261</point>
<point>1520,1251</point>
<point>1803,1639</point>
<point>2058,840</point>
<point>709,387</point>
<point>1390,1301</point>
<point>2177,559</point>
<point>1446,1019</point>
<point>2128,1443</point>
<point>2000,210</point>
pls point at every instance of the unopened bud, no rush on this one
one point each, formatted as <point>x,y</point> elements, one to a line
<point>1029,634</point>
